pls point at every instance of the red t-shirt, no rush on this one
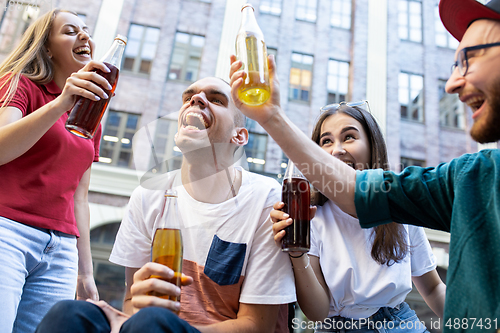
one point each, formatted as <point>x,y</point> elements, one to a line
<point>37,188</point>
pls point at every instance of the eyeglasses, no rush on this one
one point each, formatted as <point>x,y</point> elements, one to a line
<point>335,106</point>
<point>462,62</point>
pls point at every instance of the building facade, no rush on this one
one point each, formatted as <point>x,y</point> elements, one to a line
<point>395,53</point>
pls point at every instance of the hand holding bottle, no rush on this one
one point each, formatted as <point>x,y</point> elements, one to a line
<point>85,83</point>
<point>167,248</point>
<point>261,113</point>
<point>87,113</point>
<point>281,220</point>
<point>144,285</point>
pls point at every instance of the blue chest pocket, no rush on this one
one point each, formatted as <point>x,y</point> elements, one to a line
<point>225,261</point>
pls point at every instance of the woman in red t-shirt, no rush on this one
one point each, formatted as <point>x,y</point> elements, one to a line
<point>45,170</point>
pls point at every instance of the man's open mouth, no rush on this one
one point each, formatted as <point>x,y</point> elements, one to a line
<point>475,102</point>
<point>196,120</point>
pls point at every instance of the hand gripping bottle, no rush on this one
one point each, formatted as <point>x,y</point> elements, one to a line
<point>251,50</point>
<point>86,115</point>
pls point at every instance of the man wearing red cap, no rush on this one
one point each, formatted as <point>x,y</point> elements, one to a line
<point>461,197</point>
<point>476,78</point>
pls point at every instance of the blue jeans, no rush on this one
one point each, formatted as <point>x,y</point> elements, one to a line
<point>38,268</point>
<point>85,317</point>
<point>400,319</point>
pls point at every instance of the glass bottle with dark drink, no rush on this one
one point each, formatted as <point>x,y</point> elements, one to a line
<point>251,50</point>
<point>167,246</point>
<point>296,197</point>
<point>86,115</point>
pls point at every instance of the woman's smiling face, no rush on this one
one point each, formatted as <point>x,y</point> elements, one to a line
<point>345,138</point>
<point>69,45</point>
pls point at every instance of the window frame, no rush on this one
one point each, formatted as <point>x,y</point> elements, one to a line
<point>302,67</point>
<point>408,22</point>
<point>272,5</point>
<point>440,31</point>
<point>338,77</point>
<point>420,96</point>
<point>342,15</point>
<point>252,152</point>
<point>186,59</point>
<point>303,8</point>
<point>454,108</point>
<point>137,62</point>
<point>116,147</point>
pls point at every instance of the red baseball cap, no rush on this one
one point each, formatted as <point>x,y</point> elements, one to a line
<point>457,15</point>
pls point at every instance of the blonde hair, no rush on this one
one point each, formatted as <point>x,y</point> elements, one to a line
<point>30,57</point>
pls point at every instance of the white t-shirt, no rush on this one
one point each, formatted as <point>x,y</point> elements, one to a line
<point>359,285</point>
<point>229,248</point>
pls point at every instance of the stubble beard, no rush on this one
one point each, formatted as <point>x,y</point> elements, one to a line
<point>488,129</point>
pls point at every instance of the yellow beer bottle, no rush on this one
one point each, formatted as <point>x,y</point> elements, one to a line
<point>251,50</point>
<point>167,248</point>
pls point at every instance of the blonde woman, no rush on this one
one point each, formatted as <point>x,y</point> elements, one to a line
<point>44,170</point>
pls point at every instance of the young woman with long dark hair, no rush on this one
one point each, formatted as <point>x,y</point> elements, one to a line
<point>357,279</point>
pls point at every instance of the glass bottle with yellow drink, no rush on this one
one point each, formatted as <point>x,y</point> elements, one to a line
<point>251,50</point>
<point>167,248</point>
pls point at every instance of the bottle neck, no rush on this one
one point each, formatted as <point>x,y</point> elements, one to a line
<point>114,54</point>
<point>169,217</point>
<point>248,21</point>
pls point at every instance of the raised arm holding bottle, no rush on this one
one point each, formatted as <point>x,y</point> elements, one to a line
<point>45,171</point>
<point>447,197</point>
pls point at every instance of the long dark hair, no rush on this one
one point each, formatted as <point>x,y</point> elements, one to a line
<point>389,240</point>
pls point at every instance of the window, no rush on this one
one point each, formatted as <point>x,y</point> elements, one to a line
<point>410,20</point>
<point>165,155</point>
<point>186,57</point>
<point>341,14</point>
<point>406,162</point>
<point>109,278</point>
<point>451,110</point>
<point>337,81</point>
<point>116,143</point>
<point>305,10</point>
<point>443,37</point>
<point>301,77</point>
<point>141,48</point>
<point>272,7</point>
<point>411,96</point>
<point>17,16</point>
<point>256,148</point>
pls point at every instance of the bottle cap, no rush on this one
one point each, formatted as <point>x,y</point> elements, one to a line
<point>122,38</point>
<point>247,5</point>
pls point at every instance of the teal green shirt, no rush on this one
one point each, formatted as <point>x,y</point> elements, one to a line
<point>463,198</point>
